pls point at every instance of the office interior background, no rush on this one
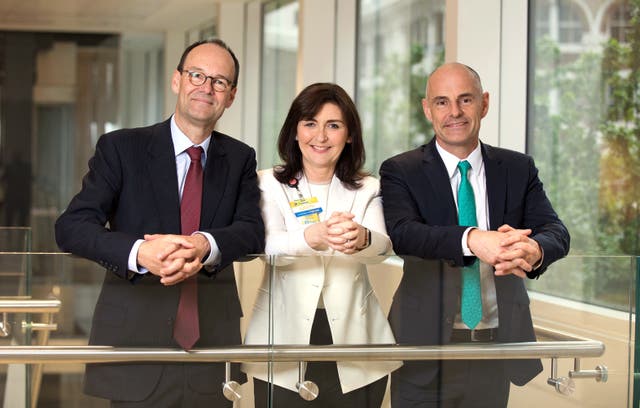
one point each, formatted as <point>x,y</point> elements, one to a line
<point>563,78</point>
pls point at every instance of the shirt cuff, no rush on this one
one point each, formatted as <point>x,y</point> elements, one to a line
<point>465,248</point>
<point>214,255</point>
<point>133,258</point>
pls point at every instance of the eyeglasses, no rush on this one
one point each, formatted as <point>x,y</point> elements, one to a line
<point>220,84</point>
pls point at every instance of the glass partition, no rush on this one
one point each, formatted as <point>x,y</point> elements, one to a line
<point>14,272</point>
<point>636,331</point>
<point>567,299</point>
<point>15,285</point>
<point>354,310</point>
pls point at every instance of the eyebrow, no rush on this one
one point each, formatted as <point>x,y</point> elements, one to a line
<point>328,121</point>
<point>464,95</point>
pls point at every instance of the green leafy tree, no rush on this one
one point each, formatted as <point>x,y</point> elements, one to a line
<point>620,176</point>
<point>390,104</point>
<point>586,141</point>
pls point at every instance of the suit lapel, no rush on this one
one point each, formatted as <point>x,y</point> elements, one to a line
<point>215,176</point>
<point>496,179</point>
<point>161,164</point>
<point>436,176</point>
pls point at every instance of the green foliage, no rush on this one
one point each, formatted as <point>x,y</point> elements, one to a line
<point>620,178</point>
<point>389,99</point>
<point>566,118</point>
<point>586,140</point>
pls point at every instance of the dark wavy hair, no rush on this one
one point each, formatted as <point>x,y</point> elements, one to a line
<point>220,44</point>
<point>305,106</point>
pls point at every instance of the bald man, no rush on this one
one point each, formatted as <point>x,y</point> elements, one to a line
<point>515,234</point>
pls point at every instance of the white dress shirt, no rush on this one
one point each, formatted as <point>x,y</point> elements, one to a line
<point>180,144</point>
<point>478,180</point>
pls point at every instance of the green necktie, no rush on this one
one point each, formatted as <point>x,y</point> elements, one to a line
<point>471,300</point>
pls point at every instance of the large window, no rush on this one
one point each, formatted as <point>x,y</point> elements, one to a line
<point>399,43</point>
<point>618,21</point>
<point>279,62</point>
<point>564,22</point>
<point>584,131</point>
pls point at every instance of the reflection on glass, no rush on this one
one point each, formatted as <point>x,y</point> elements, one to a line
<point>76,282</point>
<point>399,44</point>
<point>279,61</point>
<point>583,131</point>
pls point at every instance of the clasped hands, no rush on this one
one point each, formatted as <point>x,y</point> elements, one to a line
<point>339,232</point>
<point>173,258</point>
<point>508,250</point>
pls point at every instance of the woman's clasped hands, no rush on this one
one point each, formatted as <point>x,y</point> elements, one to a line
<point>339,232</point>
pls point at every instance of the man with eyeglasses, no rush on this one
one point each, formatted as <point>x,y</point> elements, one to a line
<point>166,209</point>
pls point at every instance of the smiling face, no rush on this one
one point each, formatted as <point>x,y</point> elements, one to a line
<point>455,105</point>
<point>321,140</point>
<point>200,107</point>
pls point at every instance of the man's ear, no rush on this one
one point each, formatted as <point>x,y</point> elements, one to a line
<point>232,96</point>
<point>175,81</point>
<point>425,109</point>
<point>485,104</point>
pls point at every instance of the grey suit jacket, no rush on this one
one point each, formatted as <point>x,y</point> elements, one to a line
<point>131,189</point>
<point>421,218</point>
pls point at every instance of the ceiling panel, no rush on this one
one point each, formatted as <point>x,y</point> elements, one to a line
<point>105,16</point>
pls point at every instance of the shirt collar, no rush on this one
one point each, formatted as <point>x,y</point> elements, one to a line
<point>181,142</point>
<point>451,161</point>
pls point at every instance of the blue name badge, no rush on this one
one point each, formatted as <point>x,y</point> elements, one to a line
<point>306,210</point>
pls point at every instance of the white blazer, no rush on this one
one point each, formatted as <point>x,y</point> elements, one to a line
<point>353,311</point>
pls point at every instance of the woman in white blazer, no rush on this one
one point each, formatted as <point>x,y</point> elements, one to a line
<point>320,202</point>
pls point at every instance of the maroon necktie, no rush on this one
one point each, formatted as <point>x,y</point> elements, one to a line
<point>186,330</point>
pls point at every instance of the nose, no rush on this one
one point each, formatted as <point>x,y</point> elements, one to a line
<point>322,136</point>
<point>208,85</point>
<point>455,110</point>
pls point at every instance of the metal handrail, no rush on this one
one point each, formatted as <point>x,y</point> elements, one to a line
<point>106,354</point>
<point>17,305</point>
<point>47,308</point>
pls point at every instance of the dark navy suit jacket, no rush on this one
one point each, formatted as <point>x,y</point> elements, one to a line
<point>421,219</point>
<point>131,189</point>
